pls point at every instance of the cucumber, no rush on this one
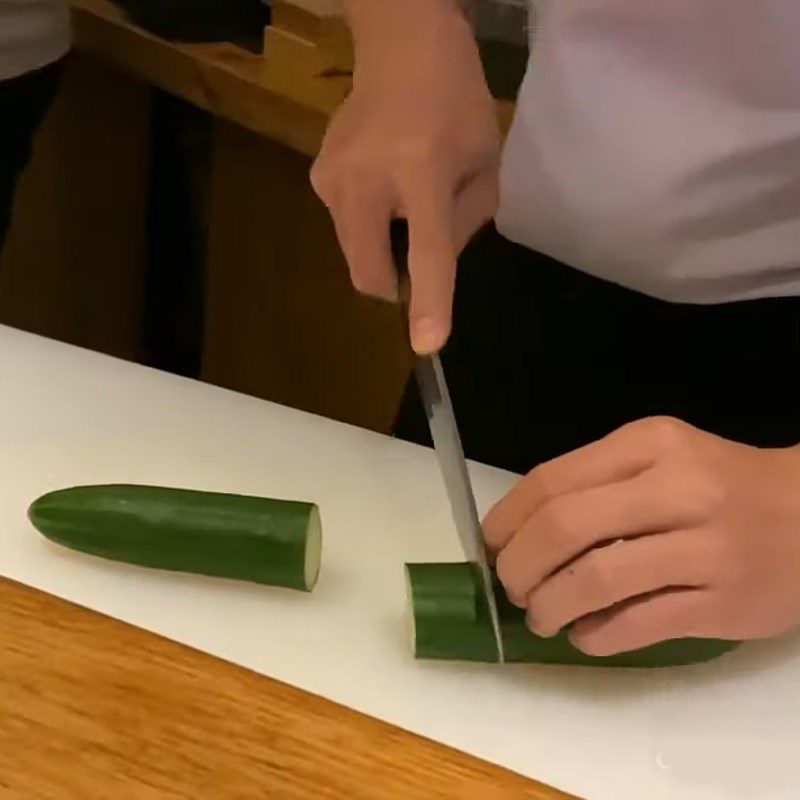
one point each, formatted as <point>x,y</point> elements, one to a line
<point>449,619</point>
<point>274,542</point>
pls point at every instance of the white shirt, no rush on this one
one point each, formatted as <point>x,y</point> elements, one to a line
<point>33,34</point>
<point>657,145</point>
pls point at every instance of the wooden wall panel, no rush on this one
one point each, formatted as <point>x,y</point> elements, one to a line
<point>73,264</point>
<point>282,321</point>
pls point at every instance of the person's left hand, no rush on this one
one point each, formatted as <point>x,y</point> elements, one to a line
<point>659,531</point>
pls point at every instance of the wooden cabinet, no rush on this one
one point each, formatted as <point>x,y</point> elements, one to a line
<point>278,317</point>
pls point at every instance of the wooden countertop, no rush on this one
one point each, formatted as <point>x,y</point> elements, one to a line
<point>285,99</point>
<point>93,708</point>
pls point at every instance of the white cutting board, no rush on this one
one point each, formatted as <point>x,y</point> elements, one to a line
<point>728,730</point>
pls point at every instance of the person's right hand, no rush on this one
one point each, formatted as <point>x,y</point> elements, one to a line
<point>416,139</point>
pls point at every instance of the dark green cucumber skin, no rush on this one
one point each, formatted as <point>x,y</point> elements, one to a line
<point>446,629</point>
<point>246,538</point>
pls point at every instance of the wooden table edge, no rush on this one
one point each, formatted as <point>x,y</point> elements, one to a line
<point>23,609</point>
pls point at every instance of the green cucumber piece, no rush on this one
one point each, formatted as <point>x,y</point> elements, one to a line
<point>274,542</point>
<point>449,619</point>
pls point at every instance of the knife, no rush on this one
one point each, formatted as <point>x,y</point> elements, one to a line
<point>447,445</point>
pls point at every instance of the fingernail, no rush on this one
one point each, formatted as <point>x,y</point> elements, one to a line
<point>426,335</point>
<point>537,629</point>
<point>532,626</point>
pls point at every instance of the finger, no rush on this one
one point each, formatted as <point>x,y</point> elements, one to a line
<point>476,205</point>
<point>617,457</point>
<point>570,525</point>
<point>431,262</point>
<point>362,219</point>
<point>672,614</point>
<point>606,576</point>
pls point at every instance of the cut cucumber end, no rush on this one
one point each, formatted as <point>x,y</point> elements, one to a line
<point>313,552</point>
<point>410,616</point>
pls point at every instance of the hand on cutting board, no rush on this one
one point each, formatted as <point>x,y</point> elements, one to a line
<point>704,539</point>
<point>417,138</point>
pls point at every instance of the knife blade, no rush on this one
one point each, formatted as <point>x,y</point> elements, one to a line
<point>449,449</point>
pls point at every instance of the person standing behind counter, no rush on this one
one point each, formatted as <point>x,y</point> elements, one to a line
<point>633,336</point>
<point>34,39</point>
